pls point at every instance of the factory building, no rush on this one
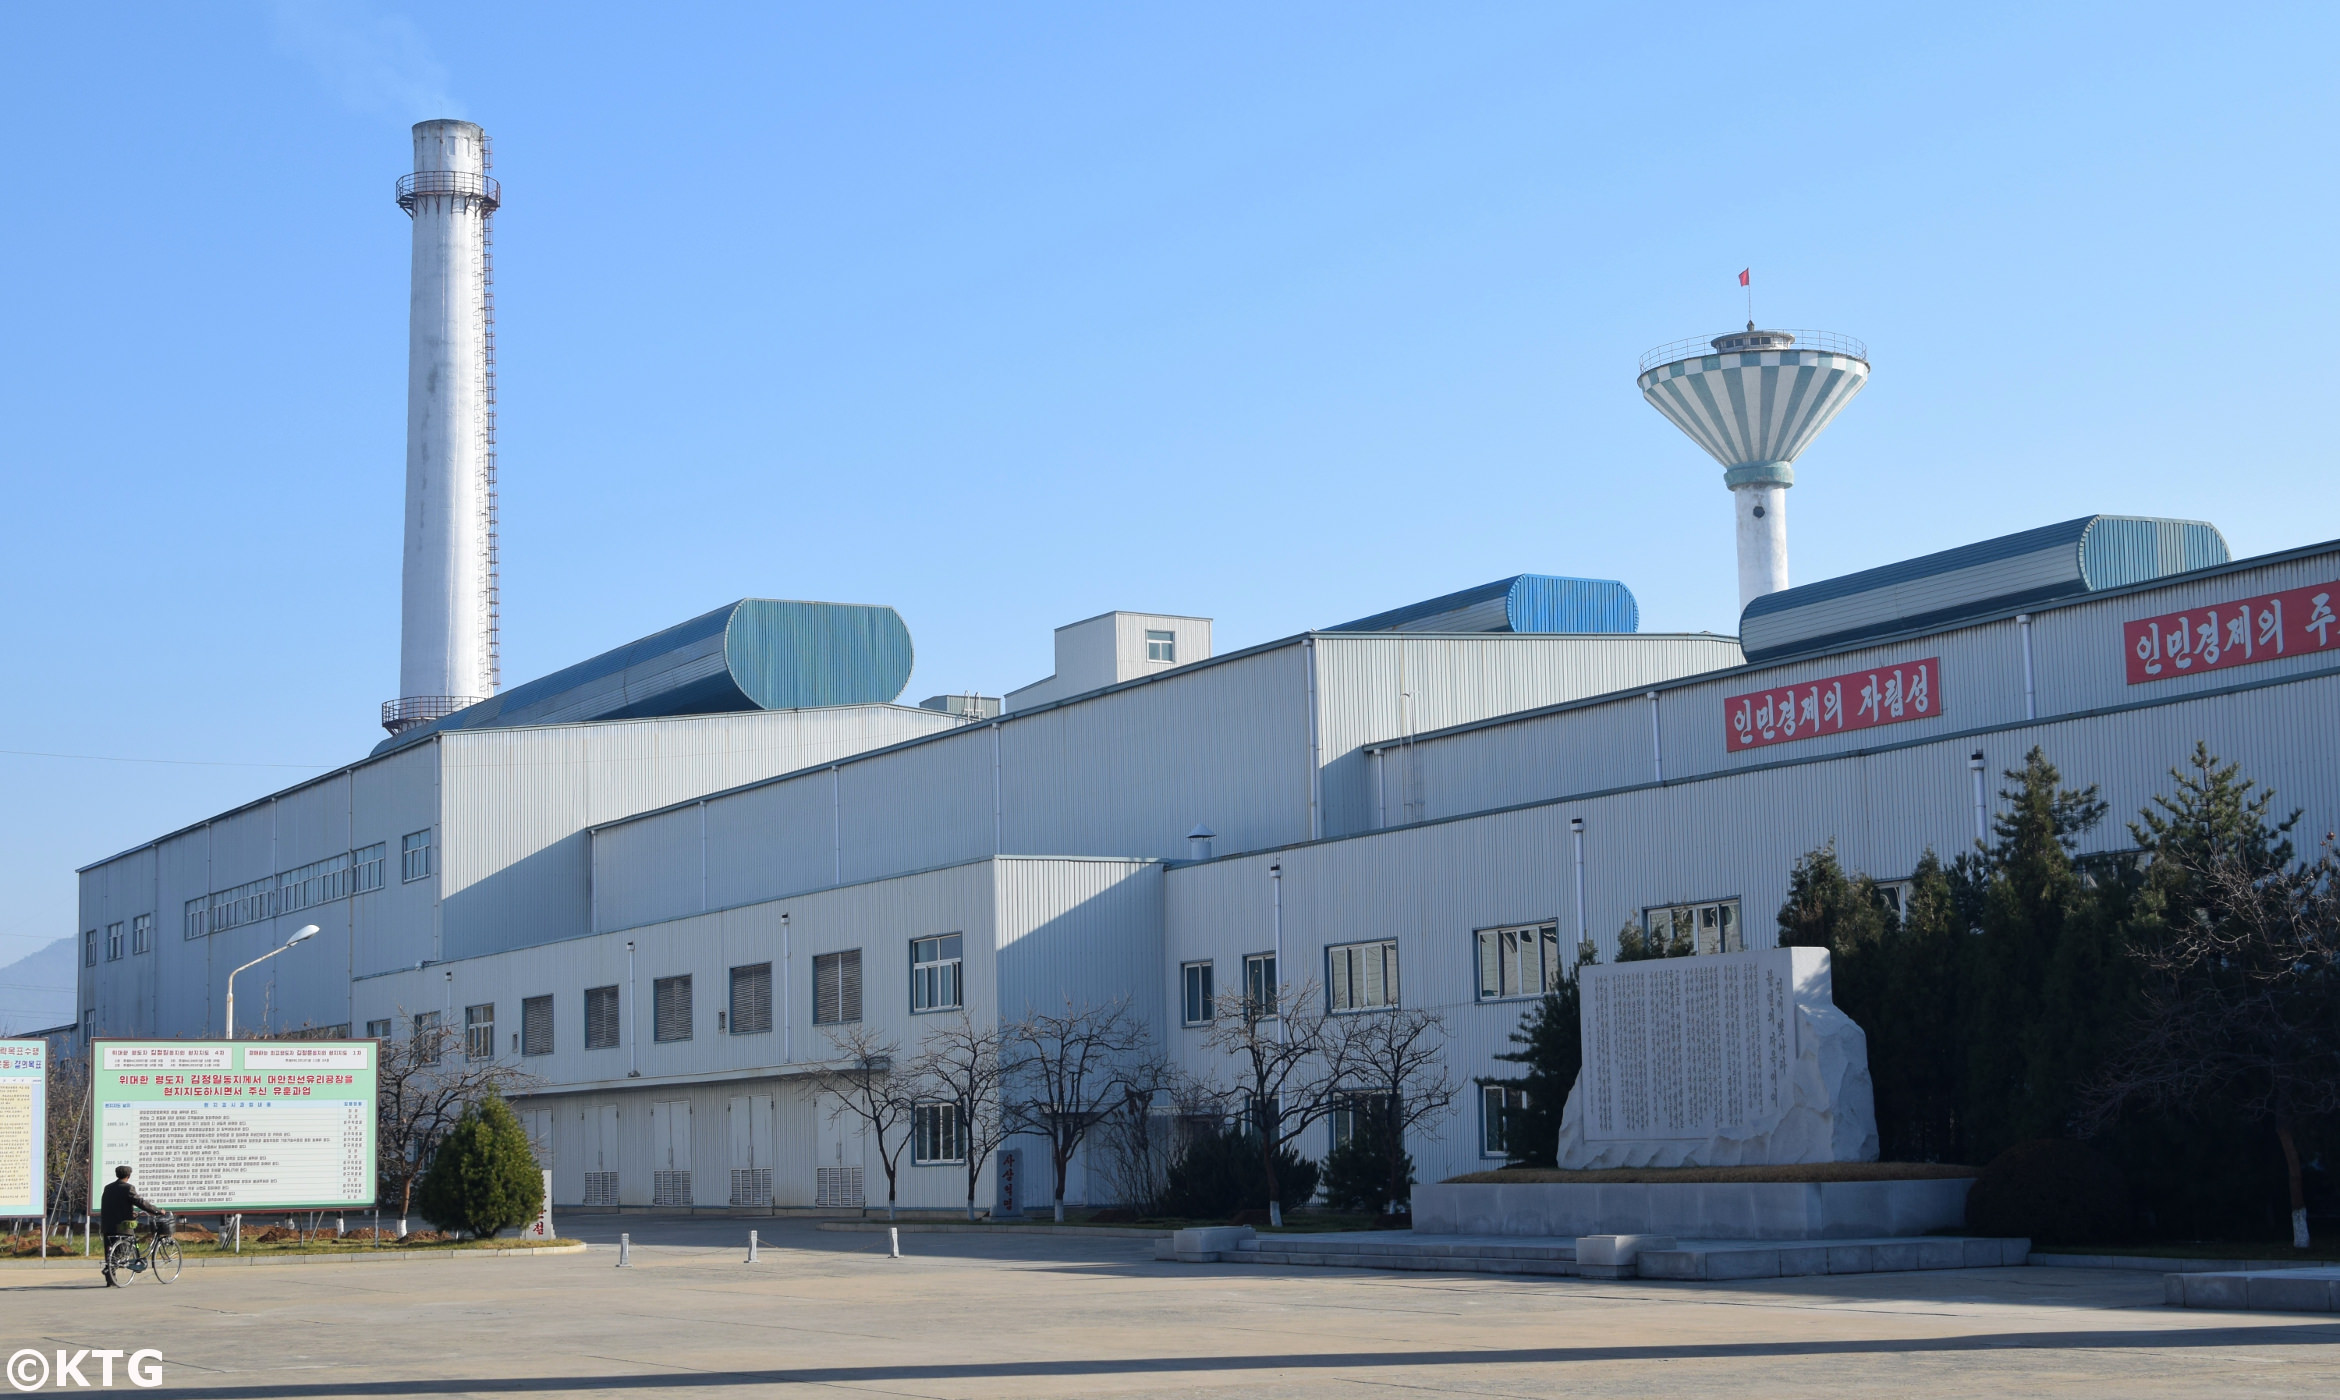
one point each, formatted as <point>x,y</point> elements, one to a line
<point>662,880</point>
<point>660,917</point>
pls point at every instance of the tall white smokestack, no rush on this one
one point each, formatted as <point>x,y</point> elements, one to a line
<point>447,640</point>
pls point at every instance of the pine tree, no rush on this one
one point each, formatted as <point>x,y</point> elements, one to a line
<point>2032,900</point>
<point>484,1177</point>
<point>1551,1046</point>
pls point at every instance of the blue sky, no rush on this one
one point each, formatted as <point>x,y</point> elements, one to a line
<point>1009,315</point>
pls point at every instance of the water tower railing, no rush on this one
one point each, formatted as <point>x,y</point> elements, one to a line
<point>1697,345</point>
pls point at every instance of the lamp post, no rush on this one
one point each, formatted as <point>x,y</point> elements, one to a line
<point>308,931</point>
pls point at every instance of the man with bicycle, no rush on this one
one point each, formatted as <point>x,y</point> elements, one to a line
<point>118,1209</point>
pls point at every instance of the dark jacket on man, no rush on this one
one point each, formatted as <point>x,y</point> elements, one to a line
<point>119,1204</point>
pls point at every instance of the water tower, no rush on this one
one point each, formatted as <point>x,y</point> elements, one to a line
<point>1754,400</point>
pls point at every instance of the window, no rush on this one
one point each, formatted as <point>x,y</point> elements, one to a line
<point>479,1032</point>
<point>934,972</point>
<point>1711,927</point>
<point>1518,962</point>
<point>378,1030</point>
<point>1894,895</point>
<point>414,854</point>
<point>1161,646</point>
<point>601,1018</point>
<point>536,1025</point>
<point>114,943</point>
<point>1195,989</point>
<point>751,999</point>
<point>142,934</point>
<point>670,1009</point>
<point>934,1134</point>
<point>318,882</point>
<point>1362,976</point>
<point>426,1037</point>
<point>1496,1105</point>
<point>1355,1111</point>
<point>89,948</point>
<point>837,988</point>
<point>88,1024</point>
<point>1259,986</point>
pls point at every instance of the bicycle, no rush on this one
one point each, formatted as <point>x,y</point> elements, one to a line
<point>158,1257</point>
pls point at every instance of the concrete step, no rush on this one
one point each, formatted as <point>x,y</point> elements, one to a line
<point>1743,1259</point>
<point>2257,1290</point>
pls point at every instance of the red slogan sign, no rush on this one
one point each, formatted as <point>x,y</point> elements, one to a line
<point>2241,633</point>
<point>1856,700</point>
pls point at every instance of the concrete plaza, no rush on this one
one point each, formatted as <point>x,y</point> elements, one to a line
<point>1042,1315</point>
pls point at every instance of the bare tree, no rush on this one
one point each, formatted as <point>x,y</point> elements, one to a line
<point>2241,1003</point>
<point>67,1139</point>
<point>958,1067</point>
<point>1396,1059</point>
<point>1281,1073</point>
<point>1140,1140</point>
<point>862,1085</point>
<point>422,1084</point>
<point>1064,1073</point>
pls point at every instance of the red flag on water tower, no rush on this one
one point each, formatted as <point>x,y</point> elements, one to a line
<point>1743,276</point>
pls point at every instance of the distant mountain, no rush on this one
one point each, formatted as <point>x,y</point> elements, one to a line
<point>36,991</point>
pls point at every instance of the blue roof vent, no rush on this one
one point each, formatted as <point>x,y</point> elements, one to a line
<point>1521,603</point>
<point>2064,560</point>
<point>755,654</point>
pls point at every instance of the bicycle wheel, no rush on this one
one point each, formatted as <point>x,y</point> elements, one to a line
<point>122,1254</point>
<point>165,1261</point>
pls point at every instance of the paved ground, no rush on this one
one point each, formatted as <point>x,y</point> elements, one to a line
<point>1040,1316</point>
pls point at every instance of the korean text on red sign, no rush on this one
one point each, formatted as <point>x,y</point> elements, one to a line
<point>2238,633</point>
<point>1893,694</point>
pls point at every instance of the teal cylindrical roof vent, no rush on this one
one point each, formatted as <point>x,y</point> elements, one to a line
<point>755,654</point>
<point>1521,603</point>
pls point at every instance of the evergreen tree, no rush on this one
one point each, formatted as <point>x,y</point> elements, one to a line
<point>1357,1173</point>
<point>1916,1023</point>
<point>484,1177</point>
<point>2032,900</point>
<point>1550,1043</point>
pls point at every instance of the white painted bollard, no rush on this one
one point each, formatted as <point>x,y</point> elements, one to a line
<point>751,1247</point>
<point>893,1243</point>
<point>625,1251</point>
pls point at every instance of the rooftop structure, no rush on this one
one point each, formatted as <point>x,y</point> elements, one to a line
<point>1521,603</point>
<point>1755,399</point>
<point>755,654</point>
<point>2026,569</point>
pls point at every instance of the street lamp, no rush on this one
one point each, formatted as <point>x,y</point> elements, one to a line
<point>308,931</point>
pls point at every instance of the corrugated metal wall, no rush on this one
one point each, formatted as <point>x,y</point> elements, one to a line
<point>1735,835</point>
<point>2077,664</point>
<point>1127,773</point>
<point>1090,929</point>
<point>1379,688</point>
<point>517,863</point>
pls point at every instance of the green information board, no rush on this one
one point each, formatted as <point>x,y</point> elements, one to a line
<point>24,1117</point>
<point>220,1125</point>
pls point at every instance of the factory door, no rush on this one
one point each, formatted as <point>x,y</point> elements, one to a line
<point>670,1153</point>
<point>601,1157</point>
<point>837,1169</point>
<point>751,1150</point>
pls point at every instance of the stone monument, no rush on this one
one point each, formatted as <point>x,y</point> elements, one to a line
<point>1724,1060</point>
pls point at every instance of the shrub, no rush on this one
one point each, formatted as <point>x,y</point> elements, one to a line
<point>1221,1173</point>
<point>1356,1173</point>
<point>2051,1190</point>
<point>483,1178</point>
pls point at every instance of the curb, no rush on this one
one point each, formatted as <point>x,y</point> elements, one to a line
<point>377,1256</point>
<point>911,1227</point>
<point>2159,1265</point>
